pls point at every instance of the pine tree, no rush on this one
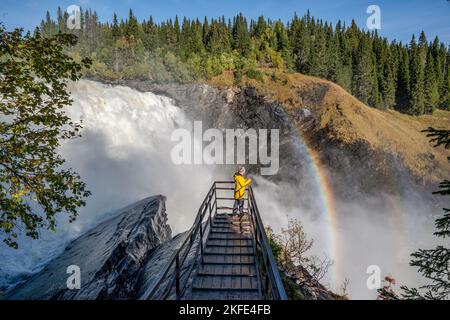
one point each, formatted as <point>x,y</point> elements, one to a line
<point>300,41</point>
<point>282,43</point>
<point>364,83</point>
<point>115,27</point>
<point>259,28</point>
<point>151,38</point>
<point>184,38</point>
<point>388,80</point>
<point>403,80</point>
<point>205,30</point>
<point>132,26</point>
<point>417,94</point>
<point>48,27</point>
<point>333,57</point>
<point>60,20</point>
<point>196,37</point>
<point>445,98</point>
<point>218,40</point>
<point>317,64</point>
<point>344,72</point>
<point>438,55</point>
<point>171,35</point>
<point>431,86</point>
<point>241,36</point>
<point>176,27</point>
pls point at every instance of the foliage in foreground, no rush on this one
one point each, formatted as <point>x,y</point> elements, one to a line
<point>34,186</point>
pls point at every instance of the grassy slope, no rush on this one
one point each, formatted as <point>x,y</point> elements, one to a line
<point>349,121</point>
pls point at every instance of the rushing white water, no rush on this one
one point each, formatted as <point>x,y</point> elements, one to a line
<point>123,156</point>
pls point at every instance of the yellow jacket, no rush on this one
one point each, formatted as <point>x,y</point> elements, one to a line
<point>239,186</point>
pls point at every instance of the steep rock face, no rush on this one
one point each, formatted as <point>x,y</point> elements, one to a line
<point>301,285</point>
<point>110,256</point>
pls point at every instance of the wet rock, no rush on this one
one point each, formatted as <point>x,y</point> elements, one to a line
<point>110,257</point>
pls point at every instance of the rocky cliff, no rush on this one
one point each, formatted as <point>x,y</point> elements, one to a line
<point>110,257</point>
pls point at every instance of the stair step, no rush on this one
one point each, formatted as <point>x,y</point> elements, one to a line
<point>221,224</point>
<point>225,275</point>
<point>228,250</point>
<point>208,294</point>
<point>232,218</point>
<point>228,259</point>
<point>228,236</point>
<point>215,227</point>
<point>228,270</point>
<point>225,230</point>
<point>231,223</point>
<point>229,254</point>
<point>235,232</point>
<point>218,237</point>
<point>225,283</point>
<point>230,242</point>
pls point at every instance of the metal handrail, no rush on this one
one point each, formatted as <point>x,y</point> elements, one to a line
<point>270,277</point>
<point>178,258</point>
<point>271,284</point>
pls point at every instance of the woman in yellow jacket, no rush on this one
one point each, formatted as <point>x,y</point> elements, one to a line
<point>240,182</point>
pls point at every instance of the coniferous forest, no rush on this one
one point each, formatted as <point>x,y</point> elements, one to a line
<point>413,77</point>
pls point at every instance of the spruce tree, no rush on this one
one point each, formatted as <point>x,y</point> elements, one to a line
<point>241,36</point>
<point>364,83</point>
<point>184,45</point>
<point>115,27</point>
<point>196,37</point>
<point>317,64</point>
<point>388,80</point>
<point>431,85</point>
<point>333,57</point>
<point>132,27</point>
<point>438,55</point>
<point>417,92</point>
<point>205,30</point>
<point>300,40</point>
<point>60,20</point>
<point>176,28</point>
<point>445,98</point>
<point>403,80</point>
<point>259,28</point>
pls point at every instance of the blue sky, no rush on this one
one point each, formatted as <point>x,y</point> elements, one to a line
<point>399,18</point>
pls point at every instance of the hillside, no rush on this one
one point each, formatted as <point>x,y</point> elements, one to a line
<point>342,121</point>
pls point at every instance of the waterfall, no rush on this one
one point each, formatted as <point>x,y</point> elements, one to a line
<point>123,156</point>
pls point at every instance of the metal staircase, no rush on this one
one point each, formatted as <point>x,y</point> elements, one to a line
<point>223,256</point>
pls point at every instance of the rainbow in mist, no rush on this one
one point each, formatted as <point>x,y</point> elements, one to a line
<point>327,203</point>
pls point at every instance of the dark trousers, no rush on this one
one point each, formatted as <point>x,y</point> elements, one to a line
<point>238,204</point>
